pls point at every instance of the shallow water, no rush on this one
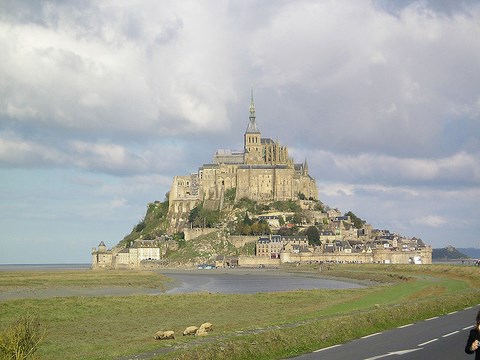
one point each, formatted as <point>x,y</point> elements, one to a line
<point>223,281</point>
<point>249,282</point>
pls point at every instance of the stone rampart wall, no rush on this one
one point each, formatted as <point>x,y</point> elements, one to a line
<point>240,240</point>
<point>196,232</point>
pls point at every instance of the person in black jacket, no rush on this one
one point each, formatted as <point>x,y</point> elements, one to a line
<point>473,342</point>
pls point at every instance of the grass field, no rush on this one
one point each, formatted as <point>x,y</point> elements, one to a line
<point>264,325</point>
<point>35,280</point>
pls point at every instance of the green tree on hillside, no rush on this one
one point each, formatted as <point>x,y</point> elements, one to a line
<point>194,214</point>
<point>295,219</point>
<point>319,207</point>
<point>357,222</point>
<point>286,206</point>
<point>313,235</point>
<point>248,204</point>
<point>230,195</point>
<point>201,217</point>
<point>260,228</point>
<point>247,220</point>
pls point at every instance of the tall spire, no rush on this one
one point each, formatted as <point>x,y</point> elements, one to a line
<point>252,105</point>
<point>252,125</point>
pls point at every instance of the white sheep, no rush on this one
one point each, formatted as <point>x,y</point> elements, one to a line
<point>201,332</point>
<point>164,335</point>
<point>191,330</point>
<point>207,327</point>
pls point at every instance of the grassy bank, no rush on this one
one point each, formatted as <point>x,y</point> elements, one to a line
<point>269,325</point>
<point>36,280</point>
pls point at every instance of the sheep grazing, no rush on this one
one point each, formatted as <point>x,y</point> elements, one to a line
<point>191,330</point>
<point>204,329</point>
<point>164,335</point>
<point>201,332</point>
<point>206,326</point>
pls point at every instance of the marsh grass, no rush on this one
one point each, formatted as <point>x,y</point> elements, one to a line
<point>34,280</point>
<point>285,323</point>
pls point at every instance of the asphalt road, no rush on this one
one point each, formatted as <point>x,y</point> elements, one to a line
<point>437,338</point>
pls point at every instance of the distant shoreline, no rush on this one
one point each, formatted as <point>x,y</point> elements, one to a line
<point>87,266</point>
<point>44,267</point>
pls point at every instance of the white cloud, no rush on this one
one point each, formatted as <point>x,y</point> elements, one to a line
<point>329,53</point>
<point>157,71</point>
<point>431,221</point>
<point>104,157</point>
<point>460,168</point>
<point>118,203</point>
<point>336,189</point>
<point>18,152</point>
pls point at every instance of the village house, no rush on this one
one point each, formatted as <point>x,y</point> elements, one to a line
<point>272,245</point>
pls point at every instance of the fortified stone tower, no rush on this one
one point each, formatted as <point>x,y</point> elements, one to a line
<point>253,139</point>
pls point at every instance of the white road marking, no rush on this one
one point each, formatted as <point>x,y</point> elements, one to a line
<point>400,352</point>
<point>452,333</point>
<point>428,342</point>
<point>330,347</point>
<point>468,308</point>
<point>367,336</point>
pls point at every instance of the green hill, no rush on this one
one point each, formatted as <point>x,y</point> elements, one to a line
<point>232,219</point>
<point>154,224</point>
<point>241,217</point>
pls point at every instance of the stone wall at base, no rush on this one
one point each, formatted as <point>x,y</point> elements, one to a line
<point>423,256</point>
<point>257,261</point>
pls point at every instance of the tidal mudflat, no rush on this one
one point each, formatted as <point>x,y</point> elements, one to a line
<point>41,284</point>
<point>248,281</point>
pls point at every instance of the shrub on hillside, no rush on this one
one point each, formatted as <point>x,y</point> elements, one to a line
<point>230,195</point>
<point>248,204</point>
<point>287,206</point>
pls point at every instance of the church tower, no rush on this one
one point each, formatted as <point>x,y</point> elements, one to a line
<point>252,139</point>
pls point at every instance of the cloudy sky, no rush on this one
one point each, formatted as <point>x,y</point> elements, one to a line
<point>103,102</point>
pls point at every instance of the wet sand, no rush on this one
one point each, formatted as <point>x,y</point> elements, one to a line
<point>224,281</point>
<point>249,281</point>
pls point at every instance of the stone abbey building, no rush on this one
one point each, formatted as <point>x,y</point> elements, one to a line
<point>263,171</point>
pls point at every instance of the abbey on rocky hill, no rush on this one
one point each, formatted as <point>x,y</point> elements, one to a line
<point>263,172</point>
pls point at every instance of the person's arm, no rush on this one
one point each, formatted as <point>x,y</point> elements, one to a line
<point>471,347</point>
